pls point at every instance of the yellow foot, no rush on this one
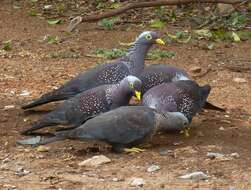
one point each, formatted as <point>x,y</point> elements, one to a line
<point>185,132</point>
<point>133,150</point>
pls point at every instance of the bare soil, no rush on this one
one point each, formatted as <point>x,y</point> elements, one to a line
<point>28,67</point>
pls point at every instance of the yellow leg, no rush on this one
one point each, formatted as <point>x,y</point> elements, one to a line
<point>133,150</point>
<point>185,132</point>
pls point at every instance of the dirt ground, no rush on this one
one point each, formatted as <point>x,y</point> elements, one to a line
<point>27,67</point>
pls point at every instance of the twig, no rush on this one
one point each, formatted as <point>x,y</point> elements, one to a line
<point>156,3</point>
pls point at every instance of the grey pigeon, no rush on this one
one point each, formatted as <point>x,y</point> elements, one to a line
<point>186,97</point>
<point>91,102</point>
<point>123,127</point>
<point>131,64</point>
<point>156,74</point>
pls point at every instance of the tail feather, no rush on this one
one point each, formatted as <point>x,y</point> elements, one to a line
<point>51,119</point>
<point>210,106</point>
<point>53,96</point>
<point>37,126</point>
<point>38,140</point>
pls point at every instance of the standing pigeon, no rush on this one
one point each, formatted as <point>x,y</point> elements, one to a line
<point>131,64</point>
<point>186,97</point>
<point>156,74</point>
<point>89,103</point>
<point>122,127</point>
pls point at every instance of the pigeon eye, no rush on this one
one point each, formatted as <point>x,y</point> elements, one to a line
<point>148,37</point>
<point>131,85</point>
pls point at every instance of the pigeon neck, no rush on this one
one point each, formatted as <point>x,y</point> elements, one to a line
<point>135,58</point>
<point>160,122</point>
<point>122,94</point>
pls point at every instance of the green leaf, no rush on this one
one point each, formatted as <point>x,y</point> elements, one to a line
<point>33,12</point>
<point>51,39</point>
<point>7,46</point>
<point>203,34</point>
<point>157,24</point>
<point>115,5</point>
<point>108,23</point>
<point>210,46</point>
<point>159,54</point>
<point>236,38</point>
<point>110,53</point>
<point>54,21</point>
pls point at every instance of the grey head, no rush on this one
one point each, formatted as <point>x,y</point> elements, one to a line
<point>120,94</point>
<point>135,58</point>
<point>149,38</point>
<point>172,121</point>
<point>131,85</point>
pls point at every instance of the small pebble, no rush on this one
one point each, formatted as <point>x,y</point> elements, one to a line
<point>115,179</point>
<point>137,182</point>
<point>25,93</point>
<point>231,187</point>
<point>8,107</point>
<point>164,151</point>
<point>213,155</point>
<point>42,148</point>
<point>153,168</point>
<point>8,186</point>
<point>195,69</point>
<point>221,128</point>
<point>239,80</point>
<point>235,155</point>
<point>6,160</point>
<point>95,161</point>
<point>22,172</point>
<point>195,175</point>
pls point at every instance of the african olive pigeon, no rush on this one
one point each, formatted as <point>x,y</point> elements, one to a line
<point>123,127</point>
<point>186,97</point>
<point>91,102</point>
<point>156,74</point>
<point>131,64</point>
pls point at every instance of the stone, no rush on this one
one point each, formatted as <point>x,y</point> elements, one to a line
<point>239,80</point>
<point>8,107</point>
<point>195,69</point>
<point>25,93</point>
<point>164,151</point>
<point>221,128</point>
<point>153,168</point>
<point>42,148</point>
<point>198,175</point>
<point>213,155</point>
<point>137,182</point>
<point>9,186</point>
<point>235,155</point>
<point>95,161</point>
<point>22,172</point>
<point>225,9</point>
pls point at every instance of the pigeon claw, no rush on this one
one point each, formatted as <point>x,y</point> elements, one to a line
<point>133,150</point>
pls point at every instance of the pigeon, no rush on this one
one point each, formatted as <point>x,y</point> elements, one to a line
<point>110,73</point>
<point>185,97</point>
<point>123,128</point>
<point>156,74</point>
<point>90,103</point>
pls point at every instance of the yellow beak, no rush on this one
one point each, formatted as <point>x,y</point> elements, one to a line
<point>138,95</point>
<point>160,41</point>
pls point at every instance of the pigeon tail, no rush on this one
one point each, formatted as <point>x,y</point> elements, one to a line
<point>210,106</point>
<point>47,98</point>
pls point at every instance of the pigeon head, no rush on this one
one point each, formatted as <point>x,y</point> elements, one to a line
<point>149,38</point>
<point>132,85</point>
<point>173,121</point>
